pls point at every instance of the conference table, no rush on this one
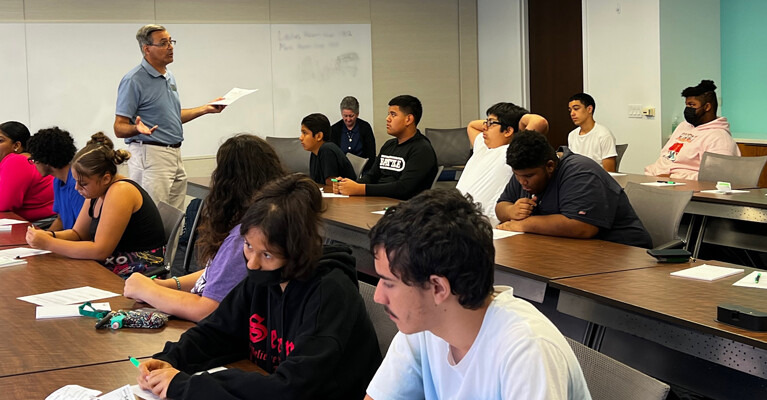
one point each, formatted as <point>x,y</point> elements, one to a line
<point>643,312</point>
<point>103,377</point>
<point>16,236</point>
<point>31,345</point>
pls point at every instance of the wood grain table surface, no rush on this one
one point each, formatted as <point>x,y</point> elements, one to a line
<point>30,345</point>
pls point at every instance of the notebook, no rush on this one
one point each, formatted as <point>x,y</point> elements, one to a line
<point>707,272</point>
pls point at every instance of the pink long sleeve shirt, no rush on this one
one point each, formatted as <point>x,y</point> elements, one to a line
<point>22,189</point>
<point>681,155</point>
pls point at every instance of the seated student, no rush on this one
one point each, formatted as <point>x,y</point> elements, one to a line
<point>326,161</point>
<point>486,173</point>
<point>353,134</point>
<point>118,226</point>
<point>51,151</point>
<point>298,314</point>
<point>406,165</point>
<point>702,132</point>
<point>244,163</point>
<point>460,337</point>
<point>590,139</point>
<point>22,189</point>
<point>569,197</point>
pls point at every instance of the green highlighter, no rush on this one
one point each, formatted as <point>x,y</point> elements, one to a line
<point>133,361</point>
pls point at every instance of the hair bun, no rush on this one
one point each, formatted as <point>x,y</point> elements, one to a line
<point>102,139</point>
<point>706,86</point>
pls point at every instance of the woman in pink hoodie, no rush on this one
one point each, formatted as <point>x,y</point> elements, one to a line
<point>701,132</point>
<point>22,189</point>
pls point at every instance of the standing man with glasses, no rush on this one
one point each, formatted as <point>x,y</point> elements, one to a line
<point>149,118</point>
<point>486,173</point>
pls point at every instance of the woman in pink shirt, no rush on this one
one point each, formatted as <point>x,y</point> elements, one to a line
<point>22,189</point>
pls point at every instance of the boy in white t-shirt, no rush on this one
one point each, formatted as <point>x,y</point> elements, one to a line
<point>459,337</point>
<point>486,173</point>
<point>590,139</point>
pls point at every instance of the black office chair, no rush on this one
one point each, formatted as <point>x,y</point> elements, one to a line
<point>292,155</point>
<point>660,211</point>
<point>452,148</point>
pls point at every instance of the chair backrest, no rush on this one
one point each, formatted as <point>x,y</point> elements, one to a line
<point>436,177</point>
<point>621,150</point>
<point>660,210</point>
<point>171,222</point>
<point>609,379</point>
<point>192,237</point>
<point>384,326</point>
<point>742,171</point>
<point>357,163</point>
<point>292,155</point>
<point>451,145</point>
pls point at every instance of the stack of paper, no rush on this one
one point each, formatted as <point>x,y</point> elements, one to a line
<point>707,272</point>
<point>751,281</point>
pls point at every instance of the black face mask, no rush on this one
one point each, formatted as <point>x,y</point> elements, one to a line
<point>691,116</point>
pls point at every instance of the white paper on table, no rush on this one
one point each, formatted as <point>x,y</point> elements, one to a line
<point>11,221</point>
<point>68,310</point>
<point>707,272</point>
<point>232,96</point>
<point>615,173</point>
<point>121,393</point>
<point>5,228</point>
<point>749,280</point>
<point>500,233</point>
<point>333,195</point>
<point>144,394</point>
<point>381,212</point>
<point>73,392</point>
<point>9,262</point>
<point>718,192</point>
<point>68,296</point>
<point>662,184</point>
<point>21,252</point>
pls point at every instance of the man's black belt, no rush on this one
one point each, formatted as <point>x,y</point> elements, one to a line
<point>174,146</point>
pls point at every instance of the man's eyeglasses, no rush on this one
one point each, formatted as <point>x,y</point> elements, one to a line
<point>164,45</point>
<point>489,122</point>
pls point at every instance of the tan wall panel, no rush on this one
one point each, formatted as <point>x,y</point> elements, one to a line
<point>469,57</point>
<point>11,10</point>
<point>90,10</point>
<point>324,12</point>
<point>219,11</point>
<point>415,51</point>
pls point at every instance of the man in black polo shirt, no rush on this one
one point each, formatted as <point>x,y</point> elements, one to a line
<point>570,197</point>
<point>406,164</point>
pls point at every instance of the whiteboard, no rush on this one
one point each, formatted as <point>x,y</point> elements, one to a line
<point>14,101</point>
<point>67,74</point>
<point>314,67</point>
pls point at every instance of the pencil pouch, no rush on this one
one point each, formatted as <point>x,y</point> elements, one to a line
<point>141,318</point>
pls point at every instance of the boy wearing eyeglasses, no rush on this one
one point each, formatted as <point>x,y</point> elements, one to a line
<point>486,173</point>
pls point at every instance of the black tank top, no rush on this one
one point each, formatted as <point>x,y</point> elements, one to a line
<point>144,231</point>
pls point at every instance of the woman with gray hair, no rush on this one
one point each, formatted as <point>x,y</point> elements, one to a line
<point>352,134</point>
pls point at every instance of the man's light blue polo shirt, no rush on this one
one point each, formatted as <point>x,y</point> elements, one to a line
<point>146,93</point>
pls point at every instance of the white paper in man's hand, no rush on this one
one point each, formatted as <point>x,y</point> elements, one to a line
<point>232,96</point>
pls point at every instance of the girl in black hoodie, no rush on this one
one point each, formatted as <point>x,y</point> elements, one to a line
<point>298,315</point>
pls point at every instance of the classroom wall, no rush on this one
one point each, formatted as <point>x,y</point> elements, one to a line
<point>425,48</point>
<point>502,49</point>
<point>744,62</point>
<point>689,52</point>
<point>622,67</point>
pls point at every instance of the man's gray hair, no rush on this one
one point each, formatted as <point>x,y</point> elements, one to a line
<point>350,103</point>
<point>144,35</point>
